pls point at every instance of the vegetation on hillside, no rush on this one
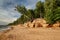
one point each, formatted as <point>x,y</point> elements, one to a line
<point>48,10</point>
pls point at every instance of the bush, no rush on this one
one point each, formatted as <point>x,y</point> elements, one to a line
<point>53,16</point>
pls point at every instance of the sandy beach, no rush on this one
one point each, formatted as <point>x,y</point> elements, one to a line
<point>22,33</point>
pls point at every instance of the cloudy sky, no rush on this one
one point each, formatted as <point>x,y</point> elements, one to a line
<point>7,12</point>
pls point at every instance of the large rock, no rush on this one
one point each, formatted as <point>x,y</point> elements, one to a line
<point>36,23</point>
<point>45,25</point>
<point>28,24</point>
<point>39,23</point>
<point>57,24</point>
<point>25,25</point>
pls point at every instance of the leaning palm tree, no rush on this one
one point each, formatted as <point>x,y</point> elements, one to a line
<point>27,15</point>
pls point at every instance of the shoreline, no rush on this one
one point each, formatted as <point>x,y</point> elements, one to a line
<point>23,33</point>
<point>5,29</point>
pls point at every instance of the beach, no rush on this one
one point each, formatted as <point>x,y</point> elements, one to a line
<point>22,33</point>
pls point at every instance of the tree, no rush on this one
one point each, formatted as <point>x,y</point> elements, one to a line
<point>39,9</point>
<point>21,9</point>
<point>25,16</point>
<point>51,11</point>
<point>58,3</point>
<point>48,10</point>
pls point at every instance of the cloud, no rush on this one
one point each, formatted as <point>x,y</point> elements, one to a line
<point>31,4</point>
<point>3,23</point>
<point>7,16</point>
<point>7,12</point>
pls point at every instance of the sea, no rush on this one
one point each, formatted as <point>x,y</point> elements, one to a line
<point>4,27</point>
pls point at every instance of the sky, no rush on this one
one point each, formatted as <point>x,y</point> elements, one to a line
<point>7,12</point>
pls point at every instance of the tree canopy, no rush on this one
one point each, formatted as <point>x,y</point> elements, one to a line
<point>48,10</point>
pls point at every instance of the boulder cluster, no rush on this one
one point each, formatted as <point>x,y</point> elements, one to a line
<point>40,23</point>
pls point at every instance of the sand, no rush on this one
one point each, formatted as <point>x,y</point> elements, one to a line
<point>22,33</point>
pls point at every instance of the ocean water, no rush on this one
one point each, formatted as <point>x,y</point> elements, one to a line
<point>3,28</point>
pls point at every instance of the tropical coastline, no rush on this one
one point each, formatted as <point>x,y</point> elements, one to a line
<point>30,20</point>
<point>24,32</point>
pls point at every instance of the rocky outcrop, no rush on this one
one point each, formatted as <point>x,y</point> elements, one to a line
<point>57,24</point>
<point>36,23</point>
<point>40,23</point>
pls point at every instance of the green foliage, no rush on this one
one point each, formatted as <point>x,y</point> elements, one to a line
<point>49,10</point>
<point>52,12</point>
<point>39,10</point>
<point>36,13</point>
<point>53,17</point>
<point>21,9</point>
<point>56,16</point>
<point>58,3</point>
<point>31,14</point>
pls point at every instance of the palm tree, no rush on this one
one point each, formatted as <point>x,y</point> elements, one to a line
<point>49,10</point>
<point>40,9</point>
